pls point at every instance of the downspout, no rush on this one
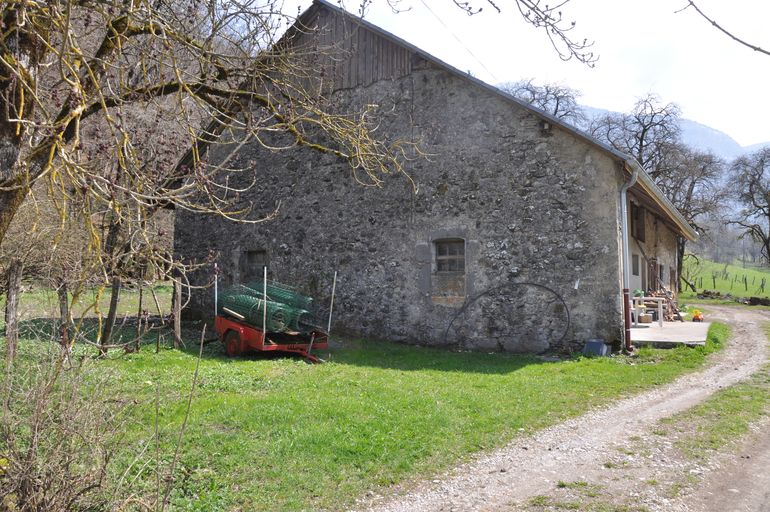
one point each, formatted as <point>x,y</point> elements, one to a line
<point>628,347</point>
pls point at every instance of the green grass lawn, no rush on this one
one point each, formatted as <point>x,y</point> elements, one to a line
<point>43,302</point>
<point>727,279</point>
<point>724,418</point>
<point>279,434</point>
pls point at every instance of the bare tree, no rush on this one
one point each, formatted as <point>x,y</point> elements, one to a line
<point>692,184</point>
<point>750,176</point>
<point>648,133</point>
<point>51,251</point>
<point>68,65</point>
<point>70,69</point>
<point>691,271</point>
<point>724,242</point>
<point>690,179</point>
<point>84,87</point>
<point>558,100</point>
<point>98,100</point>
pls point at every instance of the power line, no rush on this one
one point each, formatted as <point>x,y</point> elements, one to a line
<point>459,41</point>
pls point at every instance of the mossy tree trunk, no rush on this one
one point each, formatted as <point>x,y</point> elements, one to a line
<point>64,313</point>
<point>109,325</point>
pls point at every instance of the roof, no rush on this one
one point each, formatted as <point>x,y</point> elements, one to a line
<point>644,181</point>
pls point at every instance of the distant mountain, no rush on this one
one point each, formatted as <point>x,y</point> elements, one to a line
<point>705,138</point>
<point>755,147</point>
<point>700,136</point>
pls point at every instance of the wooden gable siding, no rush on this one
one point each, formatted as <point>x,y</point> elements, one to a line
<point>348,55</point>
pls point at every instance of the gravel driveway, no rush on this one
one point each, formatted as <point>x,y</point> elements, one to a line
<point>613,448</point>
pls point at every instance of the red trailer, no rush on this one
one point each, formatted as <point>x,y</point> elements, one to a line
<point>240,338</point>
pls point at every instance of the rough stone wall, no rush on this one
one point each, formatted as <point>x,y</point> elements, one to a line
<point>537,211</point>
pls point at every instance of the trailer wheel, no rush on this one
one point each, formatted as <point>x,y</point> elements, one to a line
<point>232,343</point>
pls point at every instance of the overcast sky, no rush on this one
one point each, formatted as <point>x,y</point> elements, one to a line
<point>643,46</point>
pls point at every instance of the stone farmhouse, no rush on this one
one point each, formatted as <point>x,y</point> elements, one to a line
<point>521,237</point>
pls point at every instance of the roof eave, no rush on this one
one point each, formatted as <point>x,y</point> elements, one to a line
<point>647,183</point>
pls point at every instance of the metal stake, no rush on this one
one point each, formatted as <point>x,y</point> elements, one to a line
<point>331,305</point>
<point>264,304</point>
<point>216,288</point>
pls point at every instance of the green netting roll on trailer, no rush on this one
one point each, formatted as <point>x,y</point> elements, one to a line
<point>286,309</point>
<point>279,316</point>
<point>240,289</point>
<point>280,293</point>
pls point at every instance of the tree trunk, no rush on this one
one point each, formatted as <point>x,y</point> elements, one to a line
<point>138,345</point>
<point>64,314</point>
<point>13,289</point>
<point>111,315</point>
<point>22,53</point>
<point>10,201</point>
<point>688,283</point>
<point>681,243</point>
<point>177,309</point>
<point>766,249</point>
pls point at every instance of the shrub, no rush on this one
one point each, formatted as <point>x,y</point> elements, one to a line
<point>56,439</point>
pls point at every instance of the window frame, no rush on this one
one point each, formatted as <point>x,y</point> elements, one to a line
<point>449,255</point>
<point>638,222</point>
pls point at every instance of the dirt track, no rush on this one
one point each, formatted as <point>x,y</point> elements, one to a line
<point>740,483</point>
<point>592,447</point>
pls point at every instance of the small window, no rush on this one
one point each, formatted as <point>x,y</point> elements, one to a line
<point>252,264</point>
<point>637,222</point>
<point>450,255</point>
<point>635,264</point>
<point>662,271</point>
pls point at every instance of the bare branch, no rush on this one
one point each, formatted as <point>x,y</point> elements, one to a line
<point>731,35</point>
